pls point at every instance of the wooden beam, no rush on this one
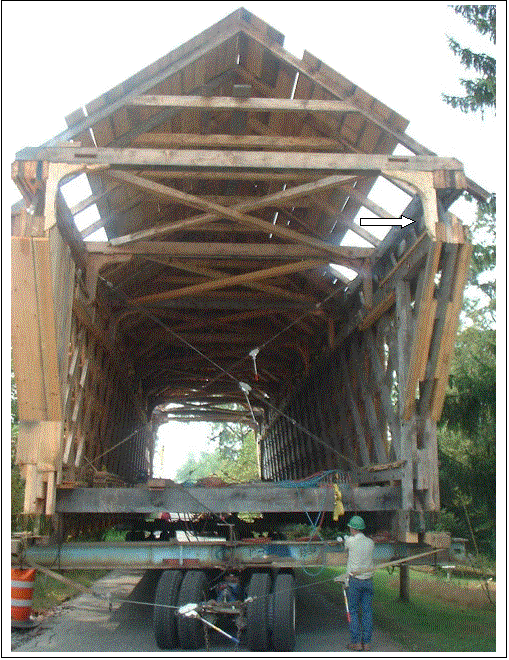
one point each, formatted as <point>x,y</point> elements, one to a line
<point>213,141</point>
<point>238,160</point>
<point>213,175</point>
<point>229,212</point>
<point>408,427</point>
<point>367,203</point>
<point>241,498</point>
<point>451,326</point>
<point>174,67</point>
<point>359,430</point>
<point>383,390</point>
<point>167,114</point>
<point>369,407</point>
<point>265,288</point>
<point>253,251</point>
<point>92,199</point>
<point>274,199</point>
<point>249,104</point>
<point>379,121</point>
<point>425,315</point>
<point>234,280</point>
<point>344,221</point>
<point>438,336</point>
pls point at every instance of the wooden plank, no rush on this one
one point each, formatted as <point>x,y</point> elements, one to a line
<point>62,273</point>
<point>422,336</point>
<point>26,349</point>
<point>196,140</point>
<point>251,104</point>
<point>451,325</point>
<point>443,298</point>
<point>47,331</point>
<point>195,250</point>
<point>237,160</point>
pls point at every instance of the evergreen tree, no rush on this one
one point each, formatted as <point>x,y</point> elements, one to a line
<point>468,425</point>
<point>480,92</point>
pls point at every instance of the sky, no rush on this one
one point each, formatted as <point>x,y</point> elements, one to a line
<point>58,56</point>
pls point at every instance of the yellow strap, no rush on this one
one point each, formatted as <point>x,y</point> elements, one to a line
<point>338,503</point>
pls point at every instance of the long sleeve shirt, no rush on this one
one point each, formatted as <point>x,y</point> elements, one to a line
<point>360,556</point>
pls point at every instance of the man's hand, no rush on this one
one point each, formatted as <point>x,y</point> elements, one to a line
<point>341,578</point>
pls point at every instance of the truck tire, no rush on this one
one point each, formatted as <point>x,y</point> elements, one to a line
<point>257,612</point>
<point>165,622</point>
<point>283,613</point>
<point>193,590</point>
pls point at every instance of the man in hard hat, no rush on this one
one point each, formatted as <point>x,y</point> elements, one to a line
<point>359,569</point>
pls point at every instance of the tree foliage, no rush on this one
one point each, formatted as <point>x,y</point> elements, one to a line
<point>481,308</point>
<point>480,91</point>
<point>467,450</point>
<point>232,456</point>
<point>17,484</point>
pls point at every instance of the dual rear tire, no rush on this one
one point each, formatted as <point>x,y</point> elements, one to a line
<point>271,614</point>
<point>173,590</point>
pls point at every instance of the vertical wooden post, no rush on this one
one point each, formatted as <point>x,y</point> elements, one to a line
<point>408,427</point>
<point>404,583</point>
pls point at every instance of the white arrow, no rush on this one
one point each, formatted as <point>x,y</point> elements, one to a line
<point>402,221</point>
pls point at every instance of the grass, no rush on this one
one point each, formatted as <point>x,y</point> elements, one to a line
<point>48,593</point>
<point>440,618</point>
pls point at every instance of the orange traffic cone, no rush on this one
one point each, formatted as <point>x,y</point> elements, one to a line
<point>22,594</point>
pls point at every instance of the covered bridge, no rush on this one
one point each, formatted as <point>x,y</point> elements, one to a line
<point>228,177</point>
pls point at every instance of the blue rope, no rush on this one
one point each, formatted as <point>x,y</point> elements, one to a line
<point>310,482</point>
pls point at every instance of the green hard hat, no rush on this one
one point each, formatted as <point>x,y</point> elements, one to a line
<point>357,523</point>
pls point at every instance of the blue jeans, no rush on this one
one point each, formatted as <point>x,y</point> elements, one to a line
<point>360,595</point>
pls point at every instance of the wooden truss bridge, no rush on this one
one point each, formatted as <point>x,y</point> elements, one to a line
<point>228,178</point>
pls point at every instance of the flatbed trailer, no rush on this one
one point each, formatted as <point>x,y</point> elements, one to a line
<point>227,178</point>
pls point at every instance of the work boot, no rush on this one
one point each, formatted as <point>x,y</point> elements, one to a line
<point>354,647</point>
<point>366,647</point>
